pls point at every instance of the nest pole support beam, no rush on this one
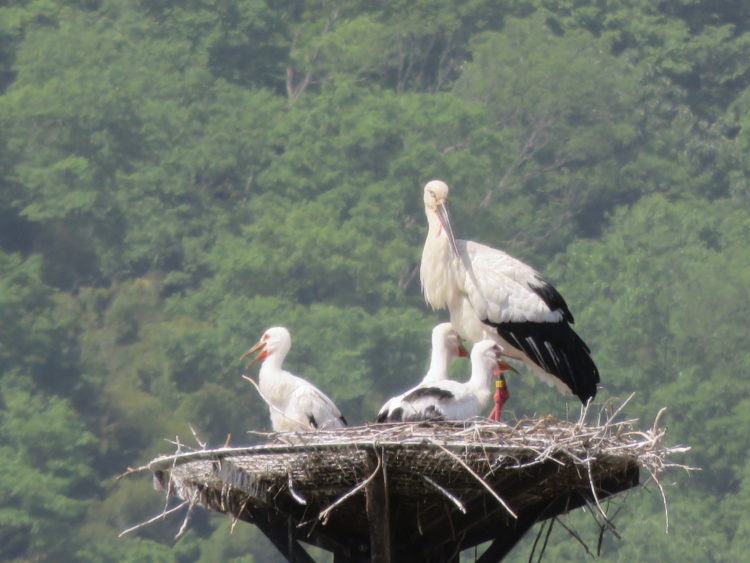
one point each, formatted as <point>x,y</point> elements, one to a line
<point>284,538</point>
<point>378,513</point>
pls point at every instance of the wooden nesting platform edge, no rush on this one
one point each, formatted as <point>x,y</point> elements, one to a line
<point>415,492</point>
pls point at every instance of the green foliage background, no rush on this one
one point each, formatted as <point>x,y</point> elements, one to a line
<point>176,177</point>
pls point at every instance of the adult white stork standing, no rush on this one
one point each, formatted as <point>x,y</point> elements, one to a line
<point>446,345</point>
<point>295,404</point>
<point>490,294</point>
<point>449,399</point>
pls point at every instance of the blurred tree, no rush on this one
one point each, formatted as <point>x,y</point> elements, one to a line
<point>95,131</point>
<point>176,177</point>
<point>560,121</point>
<point>37,336</point>
<point>47,475</point>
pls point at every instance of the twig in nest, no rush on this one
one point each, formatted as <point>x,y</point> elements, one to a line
<point>655,427</point>
<point>195,435</point>
<point>324,514</point>
<point>449,496</point>
<point>236,517</point>
<point>573,533</point>
<point>477,477</point>
<point>663,498</point>
<point>295,495</point>
<point>159,516</point>
<point>170,482</point>
<point>180,445</point>
<point>546,539</point>
<point>593,489</point>
<point>583,414</point>
<point>599,542</point>
<point>188,514</point>
<point>610,528</point>
<point>603,522</point>
<point>132,470</point>
<point>536,541</point>
<point>419,520</point>
<point>618,409</point>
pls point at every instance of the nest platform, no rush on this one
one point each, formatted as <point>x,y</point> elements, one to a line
<point>419,492</point>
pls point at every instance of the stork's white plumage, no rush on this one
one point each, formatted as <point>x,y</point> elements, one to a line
<point>490,294</point>
<point>446,345</point>
<point>449,399</point>
<point>295,405</point>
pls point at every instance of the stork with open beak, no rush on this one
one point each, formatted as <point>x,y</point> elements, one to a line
<point>490,294</point>
<point>295,405</point>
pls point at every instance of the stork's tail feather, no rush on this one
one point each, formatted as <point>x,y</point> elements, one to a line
<point>558,350</point>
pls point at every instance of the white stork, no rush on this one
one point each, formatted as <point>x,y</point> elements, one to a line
<point>449,399</point>
<point>446,345</point>
<point>490,294</point>
<point>295,404</point>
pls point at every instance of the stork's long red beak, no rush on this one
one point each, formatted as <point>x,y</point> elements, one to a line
<point>260,345</point>
<point>503,367</point>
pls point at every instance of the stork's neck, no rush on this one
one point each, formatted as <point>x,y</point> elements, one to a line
<point>435,228</point>
<point>439,361</point>
<point>481,373</point>
<point>276,385</point>
<point>273,361</point>
<point>272,379</point>
<point>436,269</point>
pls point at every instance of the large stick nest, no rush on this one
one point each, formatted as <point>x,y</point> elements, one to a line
<point>316,477</point>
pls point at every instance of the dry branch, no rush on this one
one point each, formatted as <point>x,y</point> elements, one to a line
<point>323,516</point>
<point>479,479</point>
<point>449,496</point>
<point>156,518</point>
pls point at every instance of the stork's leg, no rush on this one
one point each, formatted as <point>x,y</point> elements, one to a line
<point>501,395</point>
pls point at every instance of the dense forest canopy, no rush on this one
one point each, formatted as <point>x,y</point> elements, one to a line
<point>176,177</point>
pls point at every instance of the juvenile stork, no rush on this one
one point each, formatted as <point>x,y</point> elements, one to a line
<point>449,399</point>
<point>490,294</point>
<point>446,345</point>
<point>295,404</point>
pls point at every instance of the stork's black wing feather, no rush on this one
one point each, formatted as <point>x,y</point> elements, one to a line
<point>558,350</point>
<point>428,392</point>
<point>396,415</point>
<point>551,297</point>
